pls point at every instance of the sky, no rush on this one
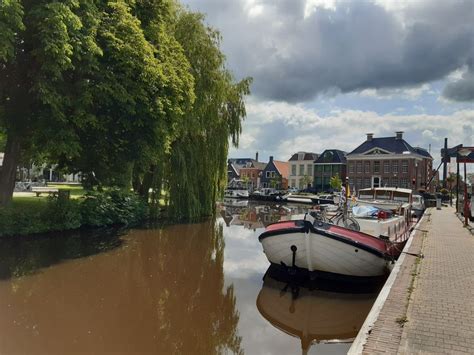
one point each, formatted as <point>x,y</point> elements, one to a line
<point>326,72</point>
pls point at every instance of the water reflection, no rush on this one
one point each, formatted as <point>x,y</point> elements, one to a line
<point>26,255</point>
<point>254,215</point>
<point>161,292</point>
<point>183,289</point>
<point>314,313</point>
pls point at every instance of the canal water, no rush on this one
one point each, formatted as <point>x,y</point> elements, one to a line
<point>181,289</point>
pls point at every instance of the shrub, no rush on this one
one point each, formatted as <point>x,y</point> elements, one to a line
<point>97,209</point>
<point>113,207</point>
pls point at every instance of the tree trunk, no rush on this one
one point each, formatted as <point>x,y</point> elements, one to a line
<point>8,170</point>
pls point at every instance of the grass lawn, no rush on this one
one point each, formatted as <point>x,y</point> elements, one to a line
<point>77,191</point>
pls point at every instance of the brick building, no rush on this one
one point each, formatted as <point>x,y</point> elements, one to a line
<point>252,173</point>
<point>390,162</point>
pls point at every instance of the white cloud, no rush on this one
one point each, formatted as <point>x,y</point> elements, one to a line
<point>410,93</point>
<point>280,129</point>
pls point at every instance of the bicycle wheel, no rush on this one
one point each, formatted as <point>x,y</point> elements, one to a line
<point>347,222</point>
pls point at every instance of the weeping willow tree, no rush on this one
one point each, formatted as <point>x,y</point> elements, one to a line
<point>196,169</point>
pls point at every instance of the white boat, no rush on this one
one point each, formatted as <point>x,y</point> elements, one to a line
<point>326,249</point>
<point>389,198</point>
<point>291,197</point>
<point>235,192</point>
<point>314,316</point>
<point>393,217</point>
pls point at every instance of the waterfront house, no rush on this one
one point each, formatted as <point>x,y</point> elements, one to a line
<point>235,164</point>
<point>301,169</point>
<point>275,175</point>
<point>332,162</point>
<point>388,161</point>
<point>251,174</point>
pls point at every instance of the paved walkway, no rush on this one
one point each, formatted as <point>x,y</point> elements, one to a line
<point>430,307</point>
<point>441,312</point>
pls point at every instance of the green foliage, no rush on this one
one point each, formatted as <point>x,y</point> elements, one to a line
<point>196,169</point>
<point>97,209</point>
<point>336,183</point>
<point>130,93</point>
<point>112,207</point>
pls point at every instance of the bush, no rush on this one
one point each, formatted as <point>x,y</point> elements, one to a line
<point>113,207</point>
<point>97,209</point>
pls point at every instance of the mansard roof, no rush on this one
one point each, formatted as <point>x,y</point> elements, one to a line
<point>332,156</point>
<point>306,156</point>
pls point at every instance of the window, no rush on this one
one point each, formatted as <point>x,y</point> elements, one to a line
<point>367,166</point>
<point>359,167</point>
<point>267,174</point>
<point>336,169</point>
<point>351,168</point>
<point>293,183</point>
<point>318,169</point>
<point>309,169</point>
<point>359,183</point>
<point>293,170</point>
<point>327,169</point>
<point>395,167</point>
<point>376,167</point>
<point>386,167</point>
<point>273,174</point>
<point>301,169</point>
<point>404,166</point>
<point>366,182</point>
<point>403,182</point>
<point>394,182</point>
<point>318,181</point>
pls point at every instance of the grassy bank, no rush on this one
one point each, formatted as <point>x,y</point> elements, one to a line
<point>32,215</point>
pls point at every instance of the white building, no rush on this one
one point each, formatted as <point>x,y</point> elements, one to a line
<point>301,170</point>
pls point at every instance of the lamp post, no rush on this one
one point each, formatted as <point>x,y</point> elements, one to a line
<point>464,153</point>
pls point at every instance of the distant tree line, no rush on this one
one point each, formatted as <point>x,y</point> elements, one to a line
<point>132,93</point>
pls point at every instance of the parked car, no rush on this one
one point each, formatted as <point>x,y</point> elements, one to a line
<point>293,189</point>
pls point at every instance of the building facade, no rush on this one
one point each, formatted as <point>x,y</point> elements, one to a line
<point>388,162</point>
<point>332,162</point>
<point>301,167</point>
<point>275,175</point>
<point>251,174</point>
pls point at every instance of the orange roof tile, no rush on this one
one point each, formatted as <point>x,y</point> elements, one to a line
<point>283,167</point>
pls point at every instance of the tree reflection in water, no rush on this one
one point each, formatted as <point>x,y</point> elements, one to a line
<point>161,291</point>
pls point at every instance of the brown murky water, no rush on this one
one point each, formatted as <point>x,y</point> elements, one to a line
<point>184,289</point>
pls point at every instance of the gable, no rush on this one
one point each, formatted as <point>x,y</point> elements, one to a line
<point>376,151</point>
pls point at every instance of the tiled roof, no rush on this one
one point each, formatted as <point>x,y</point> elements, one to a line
<point>390,144</point>
<point>306,156</point>
<point>283,168</point>
<point>334,156</point>
<point>423,152</point>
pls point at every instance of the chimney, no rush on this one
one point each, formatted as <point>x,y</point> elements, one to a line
<point>271,158</point>
<point>256,156</point>
<point>370,136</point>
<point>399,135</point>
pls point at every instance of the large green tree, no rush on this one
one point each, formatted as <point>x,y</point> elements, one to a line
<point>196,170</point>
<point>129,92</point>
<point>89,84</point>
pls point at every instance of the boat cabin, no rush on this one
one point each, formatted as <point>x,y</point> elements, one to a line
<point>386,194</point>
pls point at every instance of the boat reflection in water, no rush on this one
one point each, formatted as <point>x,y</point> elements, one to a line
<point>315,312</point>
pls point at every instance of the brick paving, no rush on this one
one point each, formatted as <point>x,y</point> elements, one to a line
<point>386,333</point>
<point>441,312</point>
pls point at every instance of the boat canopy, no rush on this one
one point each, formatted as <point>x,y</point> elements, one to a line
<point>386,193</point>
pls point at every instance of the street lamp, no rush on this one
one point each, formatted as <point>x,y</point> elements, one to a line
<point>465,152</point>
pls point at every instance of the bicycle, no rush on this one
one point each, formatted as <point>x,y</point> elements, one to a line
<point>340,219</point>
